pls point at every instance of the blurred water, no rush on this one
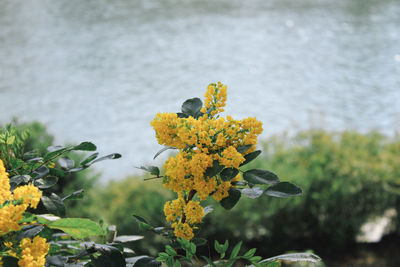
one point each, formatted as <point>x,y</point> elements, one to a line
<point>100,70</point>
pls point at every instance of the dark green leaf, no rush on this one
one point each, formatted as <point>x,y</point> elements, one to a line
<point>47,182</point>
<point>75,195</point>
<point>140,219</point>
<point>162,150</point>
<point>228,174</point>
<point>58,261</point>
<point>199,241</point>
<point>239,183</point>
<point>249,157</point>
<point>242,149</point>
<point>151,169</point>
<point>295,257</point>
<point>54,151</point>
<point>17,180</point>
<point>41,172</point>
<point>256,176</point>
<point>9,261</point>
<point>192,107</point>
<point>54,204</point>
<point>182,115</point>
<point>283,189</point>
<point>214,170</point>
<point>85,146</point>
<point>89,159</point>
<point>143,261</point>
<point>127,238</point>
<point>253,192</point>
<point>66,163</point>
<point>111,156</point>
<point>233,198</point>
<point>30,231</point>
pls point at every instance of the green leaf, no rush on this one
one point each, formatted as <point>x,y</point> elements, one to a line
<point>89,159</point>
<point>85,146</point>
<point>249,157</point>
<point>214,169</point>
<point>47,182</point>
<point>140,219</point>
<point>209,261</point>
<point>58,261</point>
<point>17,180</point>
<point>250,253</point>
<point>30,231</point>
<point>256,176</point>
<point>253,192</point>
<point>242,149</point>
<point>151,169</point>
<point>127,238</point>
<point>78,228</point>
<point>293,257</point>
<point>233,198</point>
<point>192,107</point>
<point>199,241</point>
<point>66,163</point>
<point>9,261</point>
<point>110,256</point>
<point>178,264</point>
<point>110,156</point>
<point>143,261</point>
<point>75,195</point>
<point>236,250</point>
<point>170,250</point>
<point>54,151</point>
<point>54,204</point>
<point>162,150</point>
<point>41,172</point>
<point>228,174</point>
<point>182,115</point>
<point>283,189</point>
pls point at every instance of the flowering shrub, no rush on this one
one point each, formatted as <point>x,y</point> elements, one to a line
<point>211,152</point>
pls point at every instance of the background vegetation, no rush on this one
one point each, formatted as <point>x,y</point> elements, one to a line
<point>347,178</point>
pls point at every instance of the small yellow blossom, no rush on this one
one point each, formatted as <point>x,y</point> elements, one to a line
<point>33,252</point>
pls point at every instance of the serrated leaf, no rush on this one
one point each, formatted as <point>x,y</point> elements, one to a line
<point>253,192</point>
<point>233,198</point>
<point>78,228</point>
<point>283,189</point>
<point>228,174</point>
<point>162,150</point>
<point>249,157</point>
<point>256,176</point>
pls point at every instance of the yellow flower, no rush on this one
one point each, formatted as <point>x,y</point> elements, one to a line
<point>183,230</point>
<point>33,252</point>
<point>29,194</point>
<point>200,142</point>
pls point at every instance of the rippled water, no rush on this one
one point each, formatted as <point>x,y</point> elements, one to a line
<point>100,70</point>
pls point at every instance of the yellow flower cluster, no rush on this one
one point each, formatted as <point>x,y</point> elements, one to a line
<point>12,207</point>
<point>33,252</point>
<point>202,142</point>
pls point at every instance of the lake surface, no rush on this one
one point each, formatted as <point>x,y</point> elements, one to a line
<point>100,70</point>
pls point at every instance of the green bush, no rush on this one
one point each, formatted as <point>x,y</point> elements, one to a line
<point>343,176</point>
